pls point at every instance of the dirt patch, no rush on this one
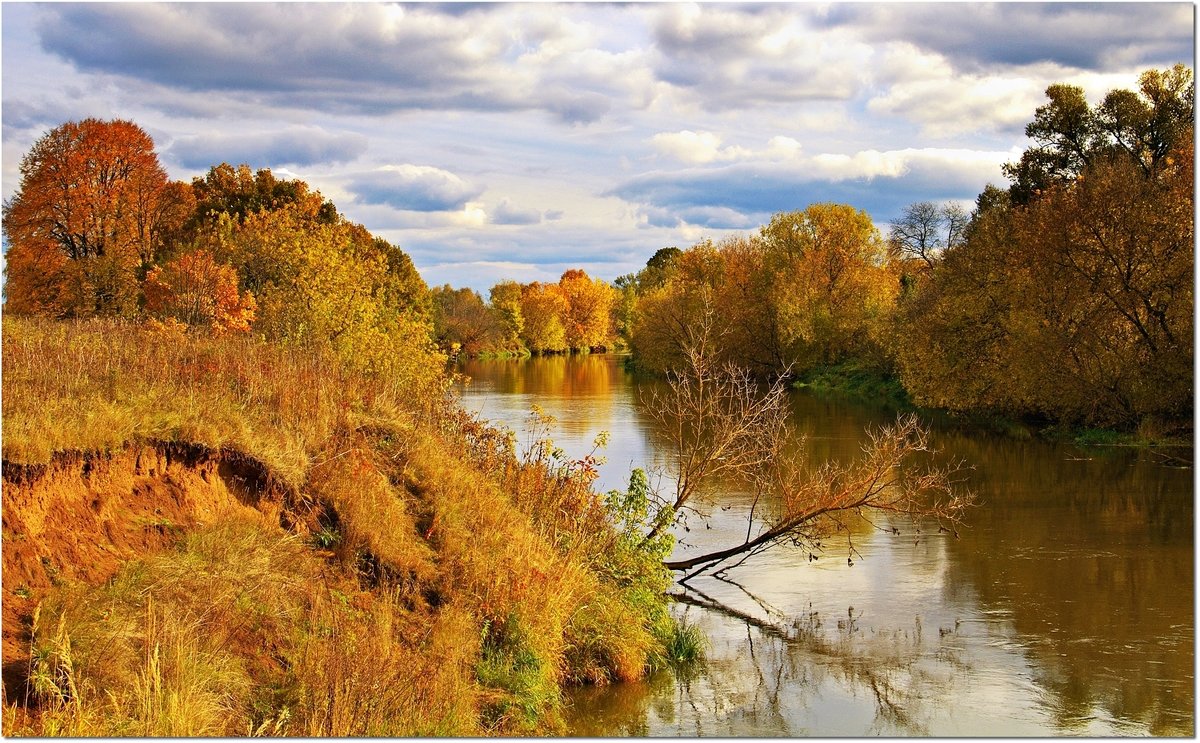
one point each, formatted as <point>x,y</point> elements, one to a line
<point>82,516</point>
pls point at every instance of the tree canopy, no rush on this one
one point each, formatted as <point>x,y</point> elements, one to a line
<point>88,219</point>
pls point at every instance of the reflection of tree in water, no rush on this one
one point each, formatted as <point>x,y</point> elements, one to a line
<point>1098,579</point>
<point>787,661</point>
<point>570,376</point>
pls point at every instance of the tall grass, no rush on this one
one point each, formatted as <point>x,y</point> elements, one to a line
<point>440,582</point>
<point>101,384</point>
<point>242,631</point>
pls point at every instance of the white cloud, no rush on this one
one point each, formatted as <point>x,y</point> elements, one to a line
<point>296,145</point>
<point>695,148</point>
<point>783,148</point>
<point>731,57</point>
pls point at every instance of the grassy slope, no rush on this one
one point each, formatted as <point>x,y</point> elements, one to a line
<point>438,584</point>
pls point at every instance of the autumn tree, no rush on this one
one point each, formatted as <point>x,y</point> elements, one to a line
<point>1071,297</point>
<point>195,290</point>
<point>461,321</point>
<point>1113,255</point>
<point>745,298</point>
<point>505,299</point>
<point>587,320</point>
<point>626,287</point>
<point>402,292</point>
<point>240,191</point>
<point>834,282</point>
<point>88,219</point>
<point>543,306</point>
<point>666,312</point>
<point>952,333</point>
<point>327,283</point>
<point>658,268</point>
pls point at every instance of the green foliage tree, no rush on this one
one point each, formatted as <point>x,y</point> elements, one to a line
<point>1141,127</point>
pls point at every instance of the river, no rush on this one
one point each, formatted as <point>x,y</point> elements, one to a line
<point>1066,607</point>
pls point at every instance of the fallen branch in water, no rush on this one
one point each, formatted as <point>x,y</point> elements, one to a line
<point>880,481</point>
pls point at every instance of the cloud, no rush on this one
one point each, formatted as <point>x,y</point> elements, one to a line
<point>1080,35</point>
<point>712,217</point>
<point>695,148</point>
<point>482,275</point>
<point>729,57</point>
<point>507,213</point>
<point>419,188</point>
<point>299,145</point>
<point>360,58</point>
<point>881,183</point>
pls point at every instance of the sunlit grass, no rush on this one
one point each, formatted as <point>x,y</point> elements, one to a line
<point>438,583</point>
<point>102,384</point>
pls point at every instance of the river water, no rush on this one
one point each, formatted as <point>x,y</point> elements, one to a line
<point>1066,607</point>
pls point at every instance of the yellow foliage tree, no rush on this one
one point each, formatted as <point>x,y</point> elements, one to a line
<point>588,318</point>
<point>543,307</point>
<point>505,299</point>
<point>834,282</point>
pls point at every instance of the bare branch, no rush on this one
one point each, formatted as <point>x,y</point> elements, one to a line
<point>882,481</point>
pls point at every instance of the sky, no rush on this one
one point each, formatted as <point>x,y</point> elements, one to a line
<point>514,141</point>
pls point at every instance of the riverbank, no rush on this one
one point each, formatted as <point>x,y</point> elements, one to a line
<point>215,536</point>
<point>863,383</point>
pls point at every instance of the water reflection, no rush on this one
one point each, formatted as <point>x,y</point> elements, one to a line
<point>1066,607</point>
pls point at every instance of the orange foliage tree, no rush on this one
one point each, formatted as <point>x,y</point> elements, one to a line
<point>90,214</point>
<point>196,290</point>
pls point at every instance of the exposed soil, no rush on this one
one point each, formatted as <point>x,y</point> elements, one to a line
<point>82,516</point>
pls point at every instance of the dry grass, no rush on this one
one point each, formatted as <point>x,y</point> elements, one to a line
<point>445,585</point>
<point>102,384</point>
<point>241,631</point>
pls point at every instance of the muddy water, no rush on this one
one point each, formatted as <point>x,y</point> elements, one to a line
<point>1065,608</point>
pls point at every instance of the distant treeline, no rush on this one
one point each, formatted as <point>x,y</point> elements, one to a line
<point>574,314</point>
